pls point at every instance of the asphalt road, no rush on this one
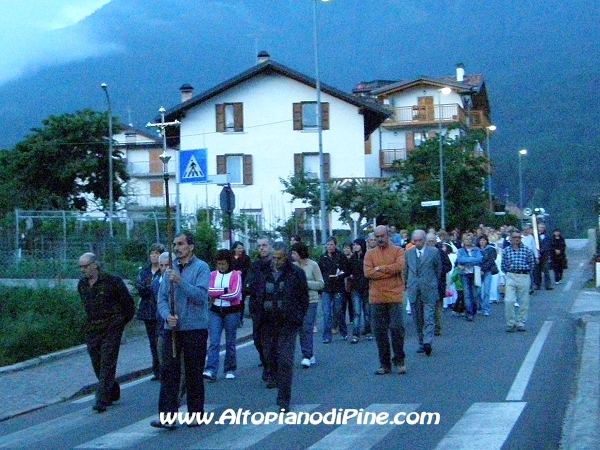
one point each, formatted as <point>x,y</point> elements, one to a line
<point>491,389</point>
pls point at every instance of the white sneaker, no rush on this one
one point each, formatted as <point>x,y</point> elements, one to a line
<point>229,376</point>
<point>305,363</point>
<point>313,361</point>
<point>517,304</point>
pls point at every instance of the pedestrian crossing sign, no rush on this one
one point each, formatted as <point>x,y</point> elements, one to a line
<point>192,166</point>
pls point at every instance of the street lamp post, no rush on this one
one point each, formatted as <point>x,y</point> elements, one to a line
<point>487,148</point>
<point>322,203</point>
<point>521,154</point>
<point>444,91</point>
<point>162,127</point>
<point>110,162</point>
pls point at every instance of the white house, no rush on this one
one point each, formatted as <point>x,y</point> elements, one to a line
<point>415,107</point>
<point>259,127</point>
<point>146,186</point>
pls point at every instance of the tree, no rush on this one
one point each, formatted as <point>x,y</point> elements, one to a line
<point>64,164</point>
<point>465,169</point>
<point>367,198</point>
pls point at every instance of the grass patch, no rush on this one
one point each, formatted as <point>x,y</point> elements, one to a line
<point>34,322</point>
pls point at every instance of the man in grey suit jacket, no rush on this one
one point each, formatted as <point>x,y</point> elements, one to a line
<point>422,272</point>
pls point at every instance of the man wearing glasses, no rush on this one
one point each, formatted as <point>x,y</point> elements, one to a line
<point>517,263</point>
<point>109,307</point>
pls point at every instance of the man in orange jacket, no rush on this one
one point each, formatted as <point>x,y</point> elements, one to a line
<point>383,267</point>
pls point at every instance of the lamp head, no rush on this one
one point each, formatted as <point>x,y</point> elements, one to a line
<point>104,86</point>
<point>164,158</point>
<point>522,152</point>
<point>491,128</point>
<point>445,90</point>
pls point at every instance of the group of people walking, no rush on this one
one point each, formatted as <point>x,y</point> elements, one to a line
<point>186,308</point>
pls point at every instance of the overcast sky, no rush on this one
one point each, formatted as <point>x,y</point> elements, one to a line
<point>40,33</point>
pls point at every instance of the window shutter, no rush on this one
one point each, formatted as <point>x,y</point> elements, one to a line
<point>410,142</point>
<point>298,163</point>
<point>368,146</point>
<point>221,165</point>
<point>297,116</point>
<point>220,113</point>
<point>327,166</point>
<point>156,165</point>
<point>156,189</point>
<point>325,115</point>
<point>247,170</point>
<point>238,117</point>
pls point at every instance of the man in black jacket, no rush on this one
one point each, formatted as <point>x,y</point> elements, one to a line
<point>334,268</point>
<point>280,293</point>
<point>109,307</point>
<point>545,254</point>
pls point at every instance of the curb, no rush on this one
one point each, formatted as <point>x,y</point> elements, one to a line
<point>42,359</point>
<point>581,429</point>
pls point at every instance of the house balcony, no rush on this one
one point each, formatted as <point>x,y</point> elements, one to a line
<point>389,155</point>
<point>146,169</point>
<point>409,116</point>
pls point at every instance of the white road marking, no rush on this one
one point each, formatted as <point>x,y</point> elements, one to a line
<point>483,426</point>
<point>133,434</point>
<point>517,390</point>
<point>244,436</point>
<point>359,437</point>
<point>41,432</point>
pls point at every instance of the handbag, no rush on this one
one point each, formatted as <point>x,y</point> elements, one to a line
<point>494,269</point>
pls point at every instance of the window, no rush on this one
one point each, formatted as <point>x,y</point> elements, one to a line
<point>305,116</point>
<point>157,189</point>
<point>238,168</point>
<point>309,163</point>
<point>255,219</point>
<point>230,117</point>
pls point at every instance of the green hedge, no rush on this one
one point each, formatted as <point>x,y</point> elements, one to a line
<point>35,322</point>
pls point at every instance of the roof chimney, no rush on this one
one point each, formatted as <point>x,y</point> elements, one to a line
<point>460,72</point>
<point>187,91</point>
<point>263,56</point>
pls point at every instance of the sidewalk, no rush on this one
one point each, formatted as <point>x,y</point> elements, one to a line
<point>581,427</point>
<point>59,376</point>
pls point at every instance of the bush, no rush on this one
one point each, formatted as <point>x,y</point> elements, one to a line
<point>34,322</point>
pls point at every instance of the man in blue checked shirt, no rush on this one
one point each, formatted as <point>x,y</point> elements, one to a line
<point>517,263</point>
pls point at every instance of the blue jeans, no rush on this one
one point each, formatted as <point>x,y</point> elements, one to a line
<point>216,324</point>
<point>306,333</point>
<point>486,283</point>
<point>331,303</point>
<point>469,289</point>
<point>362,318</point>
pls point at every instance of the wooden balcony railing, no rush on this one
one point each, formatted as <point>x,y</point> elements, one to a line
<point>430,115</point>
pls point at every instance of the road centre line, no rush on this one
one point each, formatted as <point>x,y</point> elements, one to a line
<point>517,390</point>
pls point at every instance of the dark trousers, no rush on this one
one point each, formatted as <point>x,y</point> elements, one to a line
<point>257,332</point>
<point>191,344</point>
<point>152,333</point>
<point>542,268</point>
<point>279,346</point>
<point>388,324</point>
<point>103,345</point>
